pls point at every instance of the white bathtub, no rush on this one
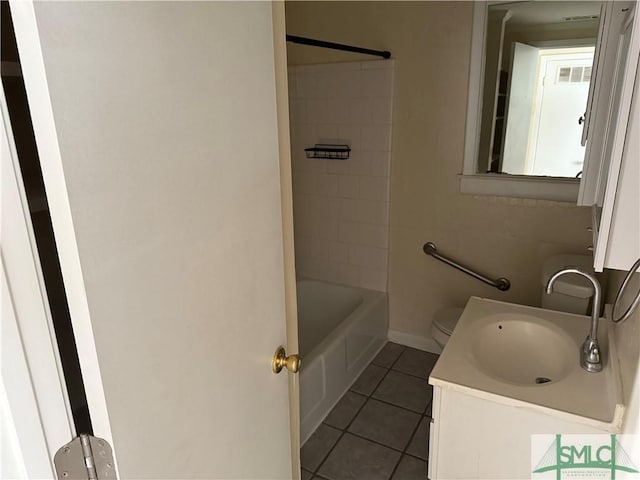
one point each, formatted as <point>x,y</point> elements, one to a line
<point>341,329</point>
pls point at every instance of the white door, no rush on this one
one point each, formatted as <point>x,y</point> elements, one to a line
<point>35,418</point>
<point>556,144</point>
<point>156,126</point>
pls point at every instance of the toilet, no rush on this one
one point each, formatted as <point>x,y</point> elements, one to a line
<point>444,321</point>
<point>571,294</point>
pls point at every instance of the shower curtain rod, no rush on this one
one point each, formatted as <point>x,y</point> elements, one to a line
<point>337,46</point>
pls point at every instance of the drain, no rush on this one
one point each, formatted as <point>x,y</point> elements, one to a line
<point>540,380</point>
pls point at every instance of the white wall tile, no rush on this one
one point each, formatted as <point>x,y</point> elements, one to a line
<point>326,229</point>
<point>338,252</point>
<point>348,232</point>
<point>376,138</point>
<point>303,246</point>
<point>307,135</point>
<point>348,186</point>
<point>359,164</point>
<point>375,212</point>
<point>345,84</point>
<point>357,255</point>
<point>377,258</point>
<point>326,133</point>
<point>317,268</point>
<point>333,274</point>
<point>374,188</point>
<point>381,110</point>
<point>341,208</point>
<point>317,111</point>
<point>304,183</point>
<point>373,278</point>
<point>317,166</point>
<point>350,134</point>
<point>373,235</point>
<point>299,164</point>
<point>304,227</point>
<point>348,274</point>
<point>291,84</point>
<point>349,209</point>
<point>306,85</point>
<point>334,207</point>
<point>319,248</point>
<point>377,82</point>
<point>380,163</point>
<point>340,167</point>
<point>328,185</point>
<point>377,64</point>
<point>298,111</point>
<point>316,207</point>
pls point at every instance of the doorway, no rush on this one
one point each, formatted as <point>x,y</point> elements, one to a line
<point>560,101</point>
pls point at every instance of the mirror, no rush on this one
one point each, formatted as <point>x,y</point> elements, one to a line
<point>537,74</point>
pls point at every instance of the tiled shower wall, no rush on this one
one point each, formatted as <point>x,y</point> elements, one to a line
<point>341,207</point>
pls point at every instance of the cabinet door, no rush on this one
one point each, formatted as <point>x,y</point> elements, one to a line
<point>613,74</point>
<point>621,248</point>
<point>617,243</point>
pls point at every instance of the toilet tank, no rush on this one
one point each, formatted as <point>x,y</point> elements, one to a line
<point>571,293</point>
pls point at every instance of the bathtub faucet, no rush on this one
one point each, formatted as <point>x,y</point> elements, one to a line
<point>590,358</point>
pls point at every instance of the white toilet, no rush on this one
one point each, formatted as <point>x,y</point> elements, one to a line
<point>444,321</point>
<point>571,294</point>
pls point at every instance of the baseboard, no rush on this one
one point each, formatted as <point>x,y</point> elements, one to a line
<point>415,341</point>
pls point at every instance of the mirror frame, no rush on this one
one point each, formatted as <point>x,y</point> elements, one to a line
<point>472,182</point>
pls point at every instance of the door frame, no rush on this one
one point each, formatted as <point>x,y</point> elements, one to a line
<point>35,80</point>
<point>34,405</point>
<point>286,196</point>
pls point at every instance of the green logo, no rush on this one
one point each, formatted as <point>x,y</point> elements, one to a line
<point>586,457</point>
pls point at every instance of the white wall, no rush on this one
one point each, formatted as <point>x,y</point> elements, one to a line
<point>341,207</point>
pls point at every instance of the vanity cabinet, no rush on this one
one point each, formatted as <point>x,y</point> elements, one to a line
<point>510,372</point>
<point>472,437</point>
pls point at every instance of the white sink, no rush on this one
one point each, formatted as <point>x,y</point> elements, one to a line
<point>530,357</point>
<point>523,349</point>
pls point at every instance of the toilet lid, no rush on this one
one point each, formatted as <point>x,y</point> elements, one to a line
<point>446,319</point>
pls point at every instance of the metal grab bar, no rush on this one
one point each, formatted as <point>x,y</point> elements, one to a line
<point>500,283</point>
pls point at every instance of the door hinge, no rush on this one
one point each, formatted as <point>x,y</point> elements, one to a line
<point>85,458</point>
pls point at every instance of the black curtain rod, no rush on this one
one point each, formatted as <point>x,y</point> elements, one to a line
<point>336,46</point>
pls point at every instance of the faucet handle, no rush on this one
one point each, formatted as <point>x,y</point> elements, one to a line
<point>590,359</point>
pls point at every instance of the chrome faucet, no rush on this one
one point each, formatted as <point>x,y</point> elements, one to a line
<point>590,358</point>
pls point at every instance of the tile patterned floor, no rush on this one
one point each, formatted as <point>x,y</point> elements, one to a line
<point>379,430</point>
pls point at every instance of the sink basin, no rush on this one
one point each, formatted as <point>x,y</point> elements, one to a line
<point>523,349</point>
<point>530,357</point>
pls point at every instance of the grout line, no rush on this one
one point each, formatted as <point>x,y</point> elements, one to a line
<point>315,471</point>
<point>393,472</point>
<point>421,414</point>
<point>397,450</point>
<point>345,430</point>
<point>414,456</point>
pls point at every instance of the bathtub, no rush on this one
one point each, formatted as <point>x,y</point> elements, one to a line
<point>340,330</point>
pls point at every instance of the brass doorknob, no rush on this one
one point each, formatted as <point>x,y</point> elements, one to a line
<point>280,360</point>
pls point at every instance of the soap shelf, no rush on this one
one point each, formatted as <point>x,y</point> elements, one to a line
<point>330,152</point>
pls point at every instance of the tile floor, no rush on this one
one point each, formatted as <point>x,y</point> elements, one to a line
<point>379,430</point>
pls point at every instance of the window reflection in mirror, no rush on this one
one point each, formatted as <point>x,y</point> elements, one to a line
<point>538,63</point>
